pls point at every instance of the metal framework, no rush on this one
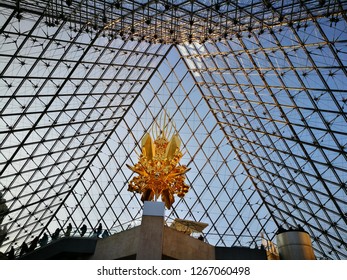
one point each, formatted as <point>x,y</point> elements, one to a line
<point>257,90</point>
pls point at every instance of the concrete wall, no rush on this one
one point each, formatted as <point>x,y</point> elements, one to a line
<point>150,245</point>
<point>174,245</point>
<point>177,245</point>
<point>117,246</point>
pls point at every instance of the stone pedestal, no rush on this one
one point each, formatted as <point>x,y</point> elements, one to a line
<point>150,242</point>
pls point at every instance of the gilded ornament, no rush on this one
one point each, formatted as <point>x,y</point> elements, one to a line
<point>158,168</point>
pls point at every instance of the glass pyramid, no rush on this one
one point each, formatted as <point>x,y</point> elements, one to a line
<point>257,91</point>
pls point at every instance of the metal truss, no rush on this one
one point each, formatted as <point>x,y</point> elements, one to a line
<point>256,89</point>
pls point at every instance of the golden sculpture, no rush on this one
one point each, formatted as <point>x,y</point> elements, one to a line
<point>158,169</point>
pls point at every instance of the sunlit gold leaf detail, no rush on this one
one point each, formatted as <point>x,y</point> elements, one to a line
<point>158,169</point>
